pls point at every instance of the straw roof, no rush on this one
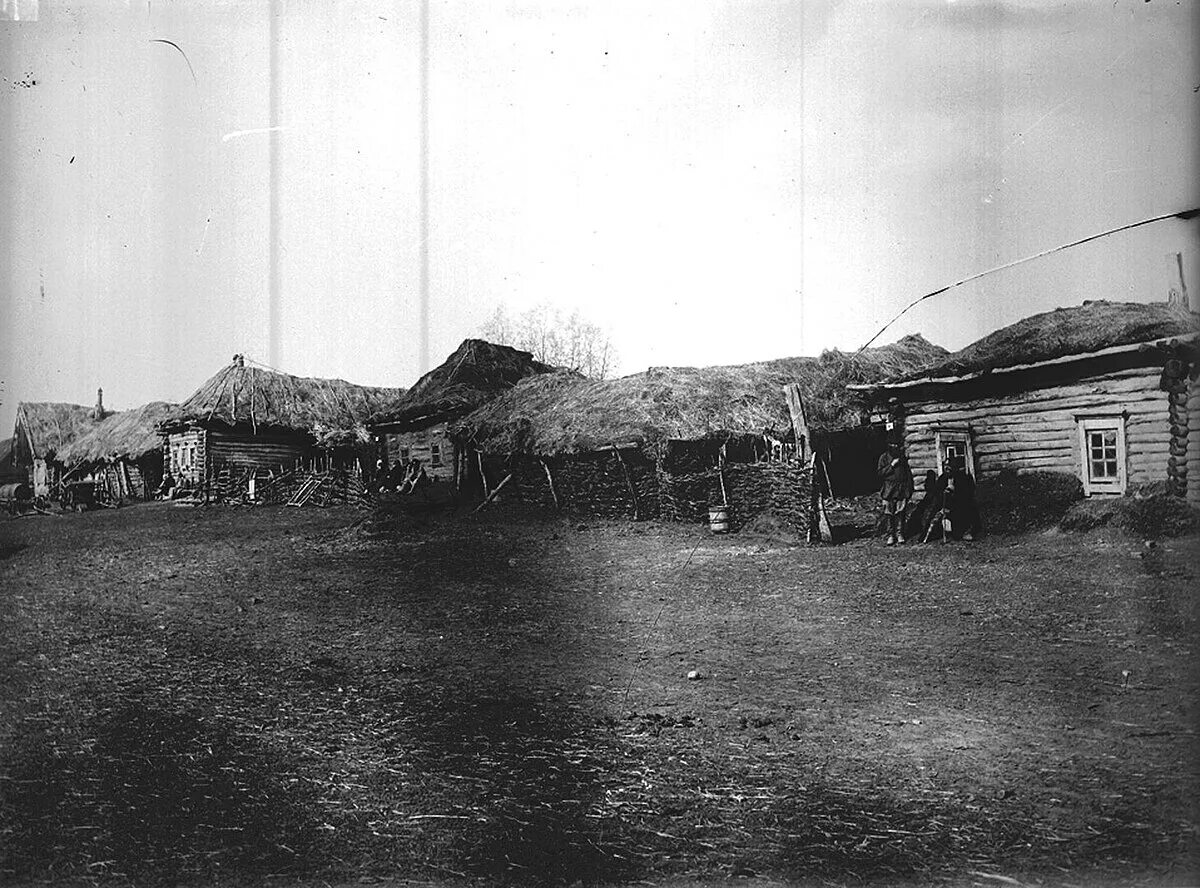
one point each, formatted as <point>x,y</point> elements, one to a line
<point>45,427</point>
<point>129,434</point>
<point>331,410</point>
<point>475,373</point>
<point>1079,330</point>
<point>563,412</point>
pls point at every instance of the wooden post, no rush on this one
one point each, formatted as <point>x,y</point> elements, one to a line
<point>482,474</point>
<point>721,476</point>
<point>791,391</point>
<point>628,482</point>
<point>824,531</point>
<point>550,481</point>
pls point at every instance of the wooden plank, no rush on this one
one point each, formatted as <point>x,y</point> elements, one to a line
<point>795,404</point>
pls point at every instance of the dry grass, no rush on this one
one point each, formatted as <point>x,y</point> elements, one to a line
<point>332,410</point>
<point>46,427</point>
<point>475,373</point>
<point>1077,330</point>
<point>129,434</point>
<point>567,413</point>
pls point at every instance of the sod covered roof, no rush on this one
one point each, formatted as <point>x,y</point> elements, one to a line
<point>562,412</point>
<point>474,374</point>
<point>129,434</point>
<point>1080,330</point>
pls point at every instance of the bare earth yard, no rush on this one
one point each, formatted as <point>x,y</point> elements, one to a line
<point>234,696</point>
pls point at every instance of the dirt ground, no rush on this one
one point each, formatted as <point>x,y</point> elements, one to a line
<point>292,696</point>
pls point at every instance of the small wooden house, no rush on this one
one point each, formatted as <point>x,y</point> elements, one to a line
<point>1103,391</point>
<point>42,430</point>
<point>670,442</point>
<point>416,424</point>
<point>250,423</point>
<point>123,453</point>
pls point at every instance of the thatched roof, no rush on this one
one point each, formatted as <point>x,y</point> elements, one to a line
<point>331,410</point>
<point>45,427</point>
<point>563,412</point>
<point>475,373</point>
<point>1080,330</point>
<point>129,434</point>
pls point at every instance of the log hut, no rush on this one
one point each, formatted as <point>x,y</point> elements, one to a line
<point>123,453</point>
<point>415,425</point>
<point>1102,390</point>
<point>43,428</point>
<point>672,442</point>
<point>252,424</point>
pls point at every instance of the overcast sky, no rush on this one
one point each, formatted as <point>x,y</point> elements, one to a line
<point>711,182</point>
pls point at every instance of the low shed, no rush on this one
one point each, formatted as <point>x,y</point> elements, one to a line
<point>1103,390</point>
<point>123,453</point>
<point>671,442</point>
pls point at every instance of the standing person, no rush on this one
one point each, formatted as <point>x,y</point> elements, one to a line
<point>896,488</point>
<point>960,501</point>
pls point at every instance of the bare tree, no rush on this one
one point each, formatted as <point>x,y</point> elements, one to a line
<point>565,341</point>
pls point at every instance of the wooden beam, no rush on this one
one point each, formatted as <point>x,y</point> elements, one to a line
<point>483,475</point>
<point>791,391</point>
<point>491,496</point>
<point>550,481</point>
<point>628,482</point>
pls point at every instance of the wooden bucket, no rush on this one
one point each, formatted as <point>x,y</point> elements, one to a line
<point>718,519</point>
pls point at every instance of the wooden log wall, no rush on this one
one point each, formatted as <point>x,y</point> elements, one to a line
<point>236,450</point>
<point>1037,428</point>
<point>420,445</point>
<point>1175,383</point>
<point>180,446</point>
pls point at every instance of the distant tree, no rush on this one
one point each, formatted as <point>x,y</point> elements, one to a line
<point>565,341</point>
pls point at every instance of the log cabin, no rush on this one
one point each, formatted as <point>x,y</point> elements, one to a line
<point>671,442</point>
<point>416,424</point>
<point>249,423</point>
<point>42,430</point>
<point>1102,391</point>
<point>123,453</point>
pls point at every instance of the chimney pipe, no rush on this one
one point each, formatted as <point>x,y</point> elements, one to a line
<point>239,361</point>
<point>98,412</point>
<point>1177,293</point>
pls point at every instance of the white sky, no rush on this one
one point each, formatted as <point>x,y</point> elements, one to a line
<point>712,182</point>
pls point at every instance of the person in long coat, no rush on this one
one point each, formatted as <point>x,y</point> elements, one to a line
<point>895,488</point>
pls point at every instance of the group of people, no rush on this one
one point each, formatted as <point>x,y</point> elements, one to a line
<point>404,477</point>
<point>948,504</point>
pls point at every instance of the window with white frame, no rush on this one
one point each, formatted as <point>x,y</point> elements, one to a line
<point>1102,450</point>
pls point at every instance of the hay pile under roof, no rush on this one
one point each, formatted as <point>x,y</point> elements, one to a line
<point>475,373</point>
<point>130,434</point>
<point>331,410</point>
<point>563,412</point>
<point>1079,330</point>
<point>43,428</point>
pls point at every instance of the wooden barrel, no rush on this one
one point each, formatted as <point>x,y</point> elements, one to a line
<point>15,493</point>
<point>718,519</point>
